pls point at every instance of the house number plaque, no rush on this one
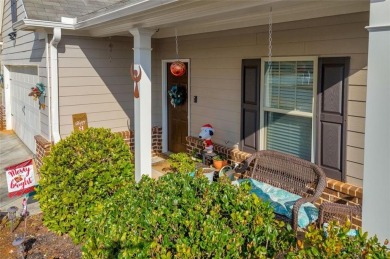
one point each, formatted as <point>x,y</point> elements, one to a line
<point>80,121</point>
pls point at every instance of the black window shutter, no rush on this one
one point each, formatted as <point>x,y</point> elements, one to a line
<point>250,105</point>
<point>331,116</point>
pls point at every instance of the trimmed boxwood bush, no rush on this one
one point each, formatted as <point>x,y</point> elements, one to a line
<point>82,170</point>
<point>185,217</point>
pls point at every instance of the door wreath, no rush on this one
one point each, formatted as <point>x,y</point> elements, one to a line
<point>177,95</point>
<point>39,92</point>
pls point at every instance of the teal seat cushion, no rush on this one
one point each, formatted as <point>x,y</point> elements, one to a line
<point>282,202</point>
<point>351,232</point>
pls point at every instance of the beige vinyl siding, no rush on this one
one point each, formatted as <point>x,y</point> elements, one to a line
<point>216,71</point>
<point>29,49</point>
<point>94,78</point>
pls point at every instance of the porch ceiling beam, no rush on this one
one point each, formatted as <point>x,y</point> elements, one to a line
<point>182,11</point>
<point>196,17</point>
<point>131,9</point>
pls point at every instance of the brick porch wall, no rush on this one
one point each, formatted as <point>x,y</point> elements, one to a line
<point>344,193</point>
<point>335,191</point>
<point>2,118</point>
<point>43,146</point>
<point>128,137</point>
<point>156,141</point>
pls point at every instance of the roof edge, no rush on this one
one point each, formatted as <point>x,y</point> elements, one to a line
<point>31,24</point>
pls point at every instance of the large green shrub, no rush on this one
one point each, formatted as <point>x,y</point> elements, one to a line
<point>81,170</point>
<point>184,217</point>
<point>334,242</point>
<point>182,163</point>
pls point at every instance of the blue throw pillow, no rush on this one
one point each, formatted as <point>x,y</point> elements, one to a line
<point>282,202</point>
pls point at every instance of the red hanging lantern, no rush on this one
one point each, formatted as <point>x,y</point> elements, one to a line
<point>178,68</point>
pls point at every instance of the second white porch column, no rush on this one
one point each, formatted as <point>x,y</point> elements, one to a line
<point>376,181</point>
<point>143,104</point>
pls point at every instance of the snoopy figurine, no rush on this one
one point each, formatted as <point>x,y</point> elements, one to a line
<point>205,133</point>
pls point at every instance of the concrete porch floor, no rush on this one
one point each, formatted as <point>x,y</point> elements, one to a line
<point>160,166</point>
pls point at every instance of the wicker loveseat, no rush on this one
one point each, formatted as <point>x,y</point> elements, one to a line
<point>338,212</point>
<point>289,173</point>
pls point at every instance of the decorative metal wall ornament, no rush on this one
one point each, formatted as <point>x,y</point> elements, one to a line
<point>178,95</point>
<point>177,68</point>
<point>39,92</point>
<point>136,76</point>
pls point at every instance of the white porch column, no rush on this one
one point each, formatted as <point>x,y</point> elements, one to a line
<point>376,181</point>
<point>143,104</point>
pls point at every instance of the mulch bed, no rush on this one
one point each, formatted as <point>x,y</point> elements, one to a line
<point>39,241</point>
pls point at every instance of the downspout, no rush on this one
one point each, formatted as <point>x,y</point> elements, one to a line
<point>54,84</point>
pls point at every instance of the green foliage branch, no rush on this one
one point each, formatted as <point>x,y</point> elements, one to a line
<point>334,242</point>
<point>80,171</point>
<point>182,163</point>
<point>220,157</point>
<point>185,217</point>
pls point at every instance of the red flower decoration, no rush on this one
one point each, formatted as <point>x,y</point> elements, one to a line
<point>178,68</point>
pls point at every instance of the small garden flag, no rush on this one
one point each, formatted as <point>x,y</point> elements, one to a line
<point>20,178</point>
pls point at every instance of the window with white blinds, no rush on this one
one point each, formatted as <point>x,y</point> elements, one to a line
<point>289,134</point>
<point>288,91</point>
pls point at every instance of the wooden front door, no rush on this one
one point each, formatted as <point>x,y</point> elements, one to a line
<point>332,115</point>
<point>178,114</point>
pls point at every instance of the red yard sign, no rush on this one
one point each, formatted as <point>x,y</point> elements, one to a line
<point>20,178</point>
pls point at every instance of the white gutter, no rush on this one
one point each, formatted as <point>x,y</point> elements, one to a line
<point>31,23</point>
<point>48,90</point>
<point>54,84</point>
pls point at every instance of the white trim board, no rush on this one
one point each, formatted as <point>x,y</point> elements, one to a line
<point>7,97</point>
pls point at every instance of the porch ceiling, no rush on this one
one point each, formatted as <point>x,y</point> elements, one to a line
<point>199,16</point>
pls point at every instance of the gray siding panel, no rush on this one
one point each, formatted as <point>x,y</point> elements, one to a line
<point>94,78</point>
<point>26,50</point>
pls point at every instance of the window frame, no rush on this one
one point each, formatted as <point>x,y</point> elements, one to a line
<point>312,115</point>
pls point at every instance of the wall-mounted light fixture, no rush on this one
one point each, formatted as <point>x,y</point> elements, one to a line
<point>12,35</point>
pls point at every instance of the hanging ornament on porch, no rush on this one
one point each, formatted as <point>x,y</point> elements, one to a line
<point>136,76</point>
<point>177,68</point>
<point>177,95</point>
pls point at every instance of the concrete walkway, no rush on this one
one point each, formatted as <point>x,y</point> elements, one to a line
<point>13,151</point>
